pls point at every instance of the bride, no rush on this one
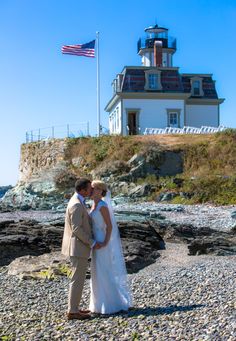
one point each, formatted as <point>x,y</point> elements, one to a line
<point>109,287</point>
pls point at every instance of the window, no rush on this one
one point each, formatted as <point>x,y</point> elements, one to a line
<point>173,117</point>
<point>153,81</point>
<point>114,85</point>
<point>196,86</point>
<point>117,120</point>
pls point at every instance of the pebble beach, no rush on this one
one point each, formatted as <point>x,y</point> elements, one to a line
<point>217,217</point>
<point>179,297</point>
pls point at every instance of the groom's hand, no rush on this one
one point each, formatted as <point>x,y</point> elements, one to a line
<point>97,246</point>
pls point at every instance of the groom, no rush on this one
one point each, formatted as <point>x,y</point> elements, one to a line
<point>77,244</point>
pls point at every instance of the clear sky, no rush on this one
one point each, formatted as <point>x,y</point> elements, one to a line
<point>40,87</point>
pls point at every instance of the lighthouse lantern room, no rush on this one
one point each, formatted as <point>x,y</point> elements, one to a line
<point>157,48</point>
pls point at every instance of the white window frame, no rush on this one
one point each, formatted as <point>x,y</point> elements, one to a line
<point>171,112</point>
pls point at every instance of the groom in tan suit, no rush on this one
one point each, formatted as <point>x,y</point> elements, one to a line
<point>77,243</point>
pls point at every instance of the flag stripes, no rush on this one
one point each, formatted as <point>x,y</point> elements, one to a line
<point>85,50</point>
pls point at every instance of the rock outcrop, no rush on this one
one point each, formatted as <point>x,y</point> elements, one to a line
<point>200,241</point>
<point>48,171</point>
<point>3,190</point>
<point>26,238</point>
<point>143,233</point>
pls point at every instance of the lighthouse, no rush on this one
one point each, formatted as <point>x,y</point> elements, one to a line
<point>156,94</point>
<point>157,47</point>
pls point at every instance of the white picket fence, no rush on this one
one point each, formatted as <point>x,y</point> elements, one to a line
<point>184,130</point>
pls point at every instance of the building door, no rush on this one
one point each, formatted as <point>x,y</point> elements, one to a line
<point>132,123</point>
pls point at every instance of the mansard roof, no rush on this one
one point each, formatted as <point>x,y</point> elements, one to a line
<point>208,85</point>
<point>171,80</point>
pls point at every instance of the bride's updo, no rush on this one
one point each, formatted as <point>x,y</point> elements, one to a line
<point>100,185</point>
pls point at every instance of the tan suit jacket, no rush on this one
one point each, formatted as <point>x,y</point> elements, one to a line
<point>77,238</point>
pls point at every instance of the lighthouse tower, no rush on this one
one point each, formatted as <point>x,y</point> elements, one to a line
<point>157,48</point>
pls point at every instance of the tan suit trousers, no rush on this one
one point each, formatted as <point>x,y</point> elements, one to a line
<point>77,279</point>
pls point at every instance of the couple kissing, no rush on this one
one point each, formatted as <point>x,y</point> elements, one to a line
<point>94,233</point>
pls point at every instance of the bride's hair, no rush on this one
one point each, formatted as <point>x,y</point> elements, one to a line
<point>100,185</point>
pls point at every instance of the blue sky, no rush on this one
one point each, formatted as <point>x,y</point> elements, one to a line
<point>40,87</point>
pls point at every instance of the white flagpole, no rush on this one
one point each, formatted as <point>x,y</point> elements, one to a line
<point>98,86</point>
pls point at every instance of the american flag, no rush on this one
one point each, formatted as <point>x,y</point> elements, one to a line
<point>86,50</point>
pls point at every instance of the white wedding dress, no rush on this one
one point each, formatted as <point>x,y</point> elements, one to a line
<point>109,288</point>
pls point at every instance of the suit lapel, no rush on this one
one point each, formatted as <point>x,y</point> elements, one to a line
<point>78,200</point>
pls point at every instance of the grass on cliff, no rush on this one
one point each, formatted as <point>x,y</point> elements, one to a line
<point>214,157</point>
<point>209,162</point>
<point>218,190</point>
<point>94,151</point>
<point>209,171</point>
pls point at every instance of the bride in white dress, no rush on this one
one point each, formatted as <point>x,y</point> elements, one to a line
<point>109,288</point>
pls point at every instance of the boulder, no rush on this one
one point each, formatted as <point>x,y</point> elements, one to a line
<point>136,159</point>
<point>47,266</point>
<point>166,196</point>
<point>32,196</point>
<point>217,245</point>
<point>140,191</point>
<point>172,163</point>
<point>29,238</point>
<point>233,215</point>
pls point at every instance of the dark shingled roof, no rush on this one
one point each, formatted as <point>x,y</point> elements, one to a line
<point>171,80</point>
<point>208,86</point>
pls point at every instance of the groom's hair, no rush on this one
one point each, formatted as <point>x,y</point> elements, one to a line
<point>82,183</point>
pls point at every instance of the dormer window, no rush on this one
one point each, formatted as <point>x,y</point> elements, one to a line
<point>153,80</point>
<point>196,86</point>
<point>119,81</point>
<point>114,85</point>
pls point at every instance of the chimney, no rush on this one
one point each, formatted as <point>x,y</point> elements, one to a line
<point>158,53</point>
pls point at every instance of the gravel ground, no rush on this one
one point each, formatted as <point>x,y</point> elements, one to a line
<point>216,217</point>
<point>179,297</point>
<point>42,216</point>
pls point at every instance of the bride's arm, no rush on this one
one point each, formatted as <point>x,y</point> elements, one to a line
<point>106,216</point>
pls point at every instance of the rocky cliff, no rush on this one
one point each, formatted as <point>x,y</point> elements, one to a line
<point>48,169</point>
<point>178,168</point>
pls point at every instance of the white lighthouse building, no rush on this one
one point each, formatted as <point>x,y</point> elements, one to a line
<point>157,95</point>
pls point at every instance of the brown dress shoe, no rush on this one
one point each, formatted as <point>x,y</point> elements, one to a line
<point>77,316</point>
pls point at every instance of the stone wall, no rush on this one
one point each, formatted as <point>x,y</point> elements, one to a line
<point>40,157</point>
